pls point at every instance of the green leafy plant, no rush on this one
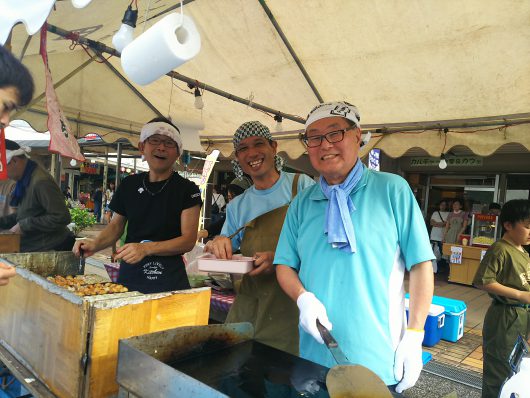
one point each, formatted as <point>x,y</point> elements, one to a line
<point>82,218</point>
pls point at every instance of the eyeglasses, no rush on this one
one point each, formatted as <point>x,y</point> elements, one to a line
<point>332,137</point>
<point>157,141</point>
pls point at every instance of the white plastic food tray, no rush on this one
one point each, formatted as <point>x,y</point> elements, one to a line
<point>237,265</point>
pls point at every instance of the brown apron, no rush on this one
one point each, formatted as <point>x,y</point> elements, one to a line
<point>260,299</point>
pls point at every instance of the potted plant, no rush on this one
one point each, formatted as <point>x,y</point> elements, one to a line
<point>81,218</point>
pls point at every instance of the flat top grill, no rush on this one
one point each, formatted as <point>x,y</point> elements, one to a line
<point>252,369</point>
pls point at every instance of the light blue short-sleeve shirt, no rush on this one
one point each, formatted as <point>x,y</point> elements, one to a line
<point>363,292</point>
<point>255,202</point>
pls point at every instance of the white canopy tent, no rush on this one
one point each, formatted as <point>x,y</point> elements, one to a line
<point>406,65</point>
<point>22,133</point>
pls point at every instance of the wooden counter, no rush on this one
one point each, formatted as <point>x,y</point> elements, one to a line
<point>465,272</point>
<point>70,343</point>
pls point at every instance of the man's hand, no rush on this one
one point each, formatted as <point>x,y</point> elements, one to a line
<point>87,245</point>
<point>132,253</point>
<point>15,229</point>
<point>263,263</point>
<point>221,247</point>
<point>312,309</point>
<point>408,362</point>
<point>524,297</point>
<point>6,272</point>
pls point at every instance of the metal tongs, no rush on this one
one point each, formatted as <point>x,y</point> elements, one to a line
<point>81,270</point>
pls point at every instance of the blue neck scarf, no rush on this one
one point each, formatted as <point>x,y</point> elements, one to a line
<point>22,184</point>
<point>339,226</point>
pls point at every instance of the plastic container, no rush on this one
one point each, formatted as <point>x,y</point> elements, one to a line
<point>426,357</point>
<point>433,325</point>
<point>455,317</point>
<point>237,265</point>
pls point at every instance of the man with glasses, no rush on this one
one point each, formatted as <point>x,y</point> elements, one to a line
<point>253,223</point>
<point>343,252</point>
<point>161,210</point>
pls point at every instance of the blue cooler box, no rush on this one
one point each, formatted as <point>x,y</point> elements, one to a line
<point>455,317</point>
<point>433,325</point>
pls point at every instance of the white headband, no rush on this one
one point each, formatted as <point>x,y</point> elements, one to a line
<point>334,109</point>
<point>161,128</point>
<point>23,150</point>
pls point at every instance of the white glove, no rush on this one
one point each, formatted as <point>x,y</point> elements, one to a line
<point>312,309</point>
<point>408,362</point>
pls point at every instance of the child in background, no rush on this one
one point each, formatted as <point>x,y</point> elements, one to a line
<point>504,273</point>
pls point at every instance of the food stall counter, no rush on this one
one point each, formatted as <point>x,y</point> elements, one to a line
<point>464,262</point>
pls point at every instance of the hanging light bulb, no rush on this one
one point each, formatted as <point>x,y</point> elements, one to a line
<point>198,99</point>
<point>73,162</point>
<point>443,162</point>
<point>278,127</point>
<point>126,32</point>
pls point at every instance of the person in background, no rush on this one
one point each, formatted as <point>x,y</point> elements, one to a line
<point>161,210</point>
<point>344,248</point>
<point>6,190</point>
<point>98,203</point>
<point>67,193</point>
<point>236,187</point>
<point>16,90</point>
<point>109,193</point>
<point>42,216</point>
<point>456,223</point>
<point>494,209</point>
<point>253,223</point>
<point>218,205</point>
<point>438,220</point>
<point>504,273</point>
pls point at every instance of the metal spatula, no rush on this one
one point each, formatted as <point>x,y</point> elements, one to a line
<point>348,380</point>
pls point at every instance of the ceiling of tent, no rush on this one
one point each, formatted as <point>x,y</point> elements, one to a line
<point>398,61</point>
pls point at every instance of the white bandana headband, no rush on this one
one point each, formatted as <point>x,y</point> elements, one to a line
<point>252,129</point>
<point>334,109</point>
<point>161,128</point>
<point>23,150</point>
<point>337,109</point>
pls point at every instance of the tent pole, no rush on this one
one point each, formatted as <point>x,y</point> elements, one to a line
<point>89,123</point>
<point>291,50</point>
<point>57,170</point>
<point>118,165</point>
<point>102,48</point>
